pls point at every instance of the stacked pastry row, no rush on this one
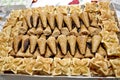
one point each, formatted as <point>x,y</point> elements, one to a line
<point>61,46</point>
<point>38,23</point>
<point>97,66</point>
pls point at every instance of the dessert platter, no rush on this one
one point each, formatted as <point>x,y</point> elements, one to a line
<point>61,41</point>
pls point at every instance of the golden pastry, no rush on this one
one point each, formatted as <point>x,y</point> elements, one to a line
<point>91,7</point>
<point>110,26</point>
<point>104,5</point>
<point>42,44</point>
<point>15,63</point>
<point>81,41</point>
<point>74,32</point>
<point>62,40</point>
<point>68,21</point>
<point>28,18</point>
<point>39,30</point>
<point>75,18</point>
<point>59,20</point>
<point>43,17</point>
<point>74,8</point>
<point>72,43</point>
<point>56,32</point>
<point>22,67</point>
<point>62,9</point>
<point>94,31</point>
<point>64,31</point>
<point>35,17</point>
<point>51,20</point>
<point>29,67</point>
<point>17,42</point>
<point>83,30</point>
<point>25,42</point>
<point>115,65</point>
<point>96,39</point>
<point>47,31</point>
<point>33,43</point>
<point>51,41</point>
<point>93,19</point>
<point>24,27</point>
<point>49,9</point>
<point>31,31</point>
<point>84,17</point>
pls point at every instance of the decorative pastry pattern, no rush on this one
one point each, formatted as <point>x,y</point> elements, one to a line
<point>61,40</point>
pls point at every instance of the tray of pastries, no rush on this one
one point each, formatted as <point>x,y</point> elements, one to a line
<point>61,41</point>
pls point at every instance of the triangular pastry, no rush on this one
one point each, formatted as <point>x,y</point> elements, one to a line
<point>47,31</point>
<point>84,18</point>
<point>64,31</point>
<point>72,43</point>
<point>94,31</point>
<point>74,32</point>
<point>56,32</point>
<point>51,20</point>
<point>28,18</point>
<point>96,39</point>
<point>35,17</point>
<point>17,42</point>
<point>43,17</point>
<point>31,31</point>
<point>51,41</point>
<point>42,44</point>
<point>62,40</point>
<point>39,30</point>
<point>81,41</point>
<point>93,19</point>
<point>83,30</point>
<point>68,22</point>
<point>75,18</point>
<point>59,20</point>
<point>24,27</point>
<point>25,42</point>
<point>33,43</point>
